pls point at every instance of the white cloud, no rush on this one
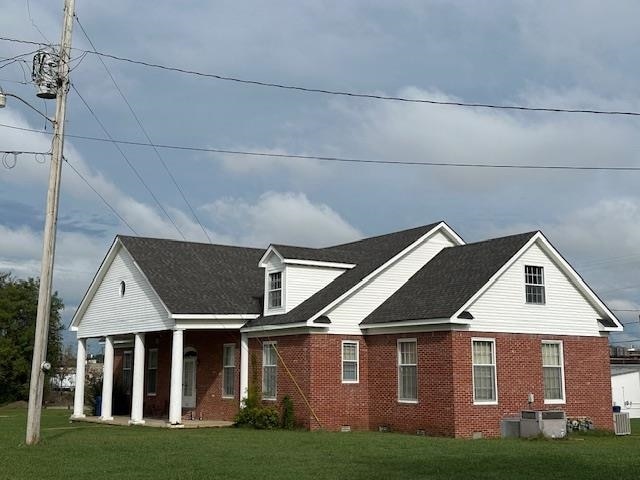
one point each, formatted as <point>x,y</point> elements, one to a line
<point>282,218</point>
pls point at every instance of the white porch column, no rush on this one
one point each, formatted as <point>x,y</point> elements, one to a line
<point>81,359</point>
<point>244,368</point>
<point>107,379</point>
<point>137,392</point>
<point>175,398</point>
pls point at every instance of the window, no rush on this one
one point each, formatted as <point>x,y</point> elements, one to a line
<point>152,372</point>
<point>534,284</point>
<point>350,370</point>
<point>269,370</point>
<point>275,290</point>
<point>407,370</point>
<point>228,370</point>
<point>484,371</point>
<point>127,373</point>
<point>553,372</point>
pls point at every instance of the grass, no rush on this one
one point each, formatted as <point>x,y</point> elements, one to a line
<point>99,451</point>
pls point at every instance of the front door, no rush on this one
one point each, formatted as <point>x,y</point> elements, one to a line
<point>189,382</point>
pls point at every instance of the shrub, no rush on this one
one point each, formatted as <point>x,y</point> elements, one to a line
<point>287,413</point>
<point>262,418</point>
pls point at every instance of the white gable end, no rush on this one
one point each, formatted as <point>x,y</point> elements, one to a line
<point>347,315</point>
<point>110,313</point>
<point>503,308</point>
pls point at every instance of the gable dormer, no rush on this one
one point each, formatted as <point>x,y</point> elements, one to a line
<point>292,274</point>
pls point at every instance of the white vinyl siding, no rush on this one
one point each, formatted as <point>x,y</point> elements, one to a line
<point>346,316</point>
<point>553,372</point>
<point>502,307</point>
<point>269,371</point>
<point>152,372</point>
<point>303,281</point>
<point>138,310</point>
<point>485,385</point>
<point>228,370</point>
<point>350,362</point>
<point>408,370</point>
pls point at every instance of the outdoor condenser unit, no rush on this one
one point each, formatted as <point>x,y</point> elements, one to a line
<point>621,424</point>
<point>550,423</point>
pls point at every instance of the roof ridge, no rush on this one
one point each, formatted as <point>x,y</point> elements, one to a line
<point>406,230</point>
<point>187,242</point>
<point>471,244</point>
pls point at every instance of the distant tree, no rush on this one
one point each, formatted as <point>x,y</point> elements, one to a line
<point>18,307</point>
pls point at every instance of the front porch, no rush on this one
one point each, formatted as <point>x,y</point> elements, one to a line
<point>121,420</point>
<point>183,377</point>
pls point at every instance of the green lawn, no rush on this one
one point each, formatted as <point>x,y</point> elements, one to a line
<point>87,451</point>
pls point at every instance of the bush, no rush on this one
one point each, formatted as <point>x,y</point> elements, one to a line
<point>262,418</point>
<point>287,413</point>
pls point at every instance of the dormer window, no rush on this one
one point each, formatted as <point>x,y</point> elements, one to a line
<point>275,290</point>
<point>534,284</point>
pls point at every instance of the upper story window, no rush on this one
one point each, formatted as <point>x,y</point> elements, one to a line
<point>534,284</point>
<point>275,290</point>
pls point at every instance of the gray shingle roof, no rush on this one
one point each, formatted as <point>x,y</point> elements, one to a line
<point>317,254</point>
<point>367,254</point>
<point>451,278</point>
<point>200,278</point>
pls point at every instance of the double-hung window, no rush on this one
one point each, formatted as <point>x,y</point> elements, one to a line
<point>534,284</point>
<point>350,370</point>
<point>228,370</point>
<point>407,370</point>
<point>269,371</point>
<point>275,290</point>
<point>127,371</point>
<point>484,371</point>
<point>553,372</point>
<point>152,372</point>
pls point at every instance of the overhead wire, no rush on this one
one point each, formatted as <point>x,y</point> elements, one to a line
<point>104,200</point>
<point>344,159</point>
<point>345,93</point>
<point>144,131</point>
<point>124,156</point>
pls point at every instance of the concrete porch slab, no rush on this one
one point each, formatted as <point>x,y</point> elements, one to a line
<point>156,422</point>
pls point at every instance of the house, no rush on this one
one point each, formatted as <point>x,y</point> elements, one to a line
<point>625,380</point>
<point>411,331</point>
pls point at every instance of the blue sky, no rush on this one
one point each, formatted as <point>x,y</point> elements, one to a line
<point>574,54</point>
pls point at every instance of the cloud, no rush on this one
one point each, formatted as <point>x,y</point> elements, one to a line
<point>281,218</point>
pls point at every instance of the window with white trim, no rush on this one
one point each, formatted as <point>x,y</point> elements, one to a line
<point>484,371</point>
<point>275,290</point>
<point>350,362</point>
<point>553,371</point>
<point>534,284</point>
<point>228,370</point>
<point>127,371</point>
<point>152,372</point>
<point>269,371</point>
<point>407,370</point>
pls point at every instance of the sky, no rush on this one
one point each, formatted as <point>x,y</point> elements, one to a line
<point>573,54</point>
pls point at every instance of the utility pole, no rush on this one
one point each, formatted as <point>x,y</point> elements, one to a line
<point>38,365</point>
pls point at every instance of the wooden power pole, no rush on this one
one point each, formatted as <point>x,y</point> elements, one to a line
<point>38,365</point>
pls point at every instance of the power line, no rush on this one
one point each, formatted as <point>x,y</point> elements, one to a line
<point>135,171</point>
<point>104,200</point>
<point>342,159</point>
<point>351,94</point>
<point>144,131</point>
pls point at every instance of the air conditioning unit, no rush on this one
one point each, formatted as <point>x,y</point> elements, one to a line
<point>550,423</point>
<point>621,424</point>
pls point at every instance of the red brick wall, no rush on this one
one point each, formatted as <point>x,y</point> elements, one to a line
<point>295,352</point>
<point>434,410</point>
<point>519,372</point>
